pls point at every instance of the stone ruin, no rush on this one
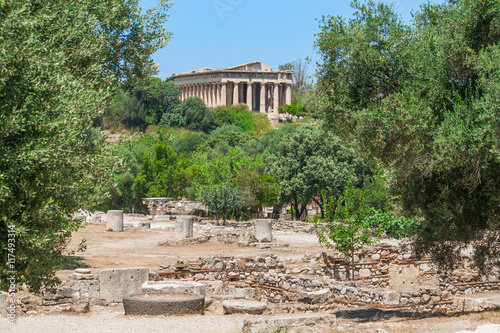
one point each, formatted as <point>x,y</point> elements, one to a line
<point>387,277</point>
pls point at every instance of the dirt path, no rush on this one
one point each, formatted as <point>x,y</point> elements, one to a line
<point>140,247</point>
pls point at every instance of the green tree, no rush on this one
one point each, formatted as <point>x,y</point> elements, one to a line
<point>192,113</point>
<point>142,104</point>
<point>217,169</point>
<point>132,112</point>
<point>348,227</point>
<point>224,199</point>
<point>424,100</point>
<point>129,154</point>
<point>190,144</point>
<point>311,165</point>
<point>164,174</point>
<point>58,63</point>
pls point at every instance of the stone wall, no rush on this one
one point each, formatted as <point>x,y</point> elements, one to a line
<point>273,279</point>
<point>386,276</point>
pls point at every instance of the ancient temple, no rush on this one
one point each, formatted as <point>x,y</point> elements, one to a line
<point>255,84</point>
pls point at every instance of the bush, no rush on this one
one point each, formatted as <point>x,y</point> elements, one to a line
<point>249,122</point>
<point>191,113</point>
<point>401,227</point>
<point>223,199</point>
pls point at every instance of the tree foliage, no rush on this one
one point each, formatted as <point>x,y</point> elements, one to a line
<point>300,77</point>
<point>424,99</point>
<point>191,113</point>
<point>249,122</point>
<point>224,199</point>
<point>348,227</point>
<point>311,165</point>
<point>58,61</point>
<point>164,173</point>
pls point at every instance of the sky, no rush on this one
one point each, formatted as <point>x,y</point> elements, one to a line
<point>226,33</point>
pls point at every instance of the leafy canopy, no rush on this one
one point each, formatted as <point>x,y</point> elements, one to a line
<point>311,165</point>
<point>59,61</point>
<point>424,100</point>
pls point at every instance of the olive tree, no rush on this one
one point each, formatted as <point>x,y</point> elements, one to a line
<point>59,61</point>
<point>311,165</point>
<point>423,99</point>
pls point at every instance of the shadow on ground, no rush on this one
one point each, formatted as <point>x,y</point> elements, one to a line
<point>364,315</point>
<point>73,262</point>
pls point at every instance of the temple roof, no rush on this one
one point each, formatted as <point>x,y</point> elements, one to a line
<point>255,66</point>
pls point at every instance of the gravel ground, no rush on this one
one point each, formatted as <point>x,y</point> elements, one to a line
<point>106,320</point>
<point>117,322</point>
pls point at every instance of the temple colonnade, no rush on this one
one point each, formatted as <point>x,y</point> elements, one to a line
<point>263,97</point>
<point>254,84</point>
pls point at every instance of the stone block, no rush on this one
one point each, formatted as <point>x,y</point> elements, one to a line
<point>477,304</point>
<point>244,306</point>
<point>118,282</point>
<point>114,220</point>
<point>390,298</point>
<point>144,225</point>
<point>263,230</point>
<point>214,287</point>
<point>365,272</point>
<point>296,323</point>
<point>161,218</point>
<point>174,287</point>
<point>241,292</point>
<point>184,226</point>
<point>82,287</point>
<point>403,278</point>
<point>314,297</point>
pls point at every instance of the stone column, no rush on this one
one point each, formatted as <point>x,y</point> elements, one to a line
<point>217,94</point>
<point>207,94</point>
<point>114,220</point>
<point>276,101</point>
<point>269,98</point>
<point>262,98</point>
<point>288,94</point>
<point>263,230</point>
<point>223,96</point>
<point>198,90</point>
<point>184,226</point>
<point>236,93</point>
<point>212,95</point>
<point>249,95</point>
<point>202,92</point>
<point>209,97</point>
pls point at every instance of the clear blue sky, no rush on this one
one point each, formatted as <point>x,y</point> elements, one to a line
<point>224,33</point>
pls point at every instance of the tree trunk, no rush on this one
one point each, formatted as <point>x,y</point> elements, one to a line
<point>303,208</point>
<point>320,203</point>
<point>296,208</point>
<point>277,211</point>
